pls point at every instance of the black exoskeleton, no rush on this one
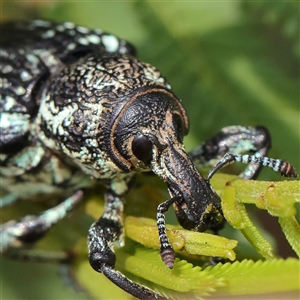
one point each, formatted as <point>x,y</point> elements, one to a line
<point>77,106</point>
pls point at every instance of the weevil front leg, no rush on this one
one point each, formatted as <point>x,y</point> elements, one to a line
<point>16,235</point>
<point>106,233</point>
<point>235,140</point>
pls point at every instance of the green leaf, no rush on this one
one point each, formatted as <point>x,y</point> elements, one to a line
<point>182,281</point>
<point>145,232</point>
<point>291,229</point>
<point>249,277</point>
<point>235,213</point>
<point>278,198</point>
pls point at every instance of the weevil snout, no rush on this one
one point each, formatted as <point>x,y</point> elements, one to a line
<point>198,206</point>
<point>207,217</point>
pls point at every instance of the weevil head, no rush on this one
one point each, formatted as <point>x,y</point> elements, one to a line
<point>148,135</point>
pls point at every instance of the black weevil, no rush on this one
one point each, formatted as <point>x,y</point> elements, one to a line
<point>77,107</point>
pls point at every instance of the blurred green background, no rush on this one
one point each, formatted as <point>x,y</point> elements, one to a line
<point>231,62</point>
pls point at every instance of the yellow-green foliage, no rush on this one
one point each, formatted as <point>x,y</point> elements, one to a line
<point>191,277</point>
<point>268,274</point>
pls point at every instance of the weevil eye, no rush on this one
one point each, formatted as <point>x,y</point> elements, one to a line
<point>179,128</point>
<point>142,148</point>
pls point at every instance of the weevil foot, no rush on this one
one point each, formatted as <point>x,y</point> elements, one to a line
<point>135,289</point>
<point>104,262</point>
<point>168,256</point>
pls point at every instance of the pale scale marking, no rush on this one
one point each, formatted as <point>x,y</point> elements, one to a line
<point>110,42</point>
<point>48,34</point>
<point>25,76</point>
<point>82,29</point>
<point>69,25</point>
<point>41,23</point>
<point>94,39</point>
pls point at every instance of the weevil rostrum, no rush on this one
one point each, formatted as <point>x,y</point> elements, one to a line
<point>78,108</point>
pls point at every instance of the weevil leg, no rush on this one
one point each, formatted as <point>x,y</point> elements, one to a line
<point>106,233</point>
<point>136,290</point>
<point>7,200</point>
<point>278,165</point>
<point>15,235</point>
<point>235,140</point>
<point>68,277</point>
<point>41,256</point>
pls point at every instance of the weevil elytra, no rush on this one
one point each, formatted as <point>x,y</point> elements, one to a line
<point>78,107</point>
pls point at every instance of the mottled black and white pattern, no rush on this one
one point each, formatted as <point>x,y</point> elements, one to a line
<point>78,109</point>
<point>59,83</point>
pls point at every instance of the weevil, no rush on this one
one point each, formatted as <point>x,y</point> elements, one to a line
<point>79,109</point>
